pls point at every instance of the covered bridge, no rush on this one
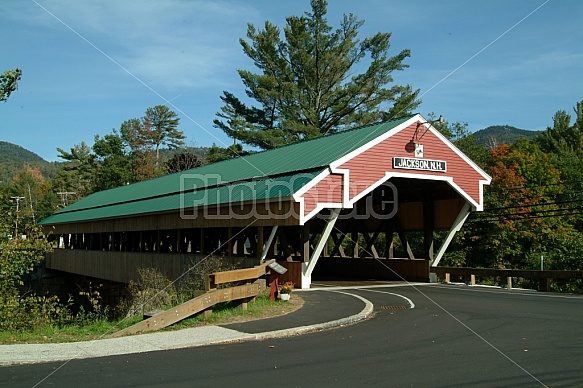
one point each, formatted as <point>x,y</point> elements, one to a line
<point>341,205</point>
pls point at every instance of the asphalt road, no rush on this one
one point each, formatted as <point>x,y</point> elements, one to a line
<point>453,337</point>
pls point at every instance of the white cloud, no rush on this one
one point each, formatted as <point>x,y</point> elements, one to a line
<point>167,44</point>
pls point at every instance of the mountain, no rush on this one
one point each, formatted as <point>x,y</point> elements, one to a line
<point>498,134</point>
<point>12,153</point>
<point>13,157</point>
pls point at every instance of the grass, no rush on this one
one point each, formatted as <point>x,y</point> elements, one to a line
<point>230,312</point>
<point>223,313</point>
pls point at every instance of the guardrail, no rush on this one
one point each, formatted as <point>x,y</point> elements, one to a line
<point>162,318</point>
<point>469,274</point>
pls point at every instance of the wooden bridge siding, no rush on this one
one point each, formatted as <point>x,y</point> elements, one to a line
<point>445,213</point>
<point>369,268</point>
<point>328,190</point>
<point>122,266</point>
<point>286,208</point>
<point>371,165</point>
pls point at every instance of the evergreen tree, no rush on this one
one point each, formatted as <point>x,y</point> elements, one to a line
<point>309,85</point>
<point>563,137</point>
<point>160,127</point>
<point>217,154</point>
<point>77,175</point>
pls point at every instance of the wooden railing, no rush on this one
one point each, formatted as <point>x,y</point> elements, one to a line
<point>469,275</point>
<point>205,302</point>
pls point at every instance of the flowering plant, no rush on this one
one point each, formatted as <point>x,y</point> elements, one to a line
<point>286,288</point>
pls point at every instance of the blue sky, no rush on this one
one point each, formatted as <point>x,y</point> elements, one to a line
<point>90,65</point>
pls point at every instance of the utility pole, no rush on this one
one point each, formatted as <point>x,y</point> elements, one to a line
<point>30,202</point>
<point>17,199</point>
<point>64,196</point>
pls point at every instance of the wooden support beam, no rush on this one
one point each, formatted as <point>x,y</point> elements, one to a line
<point>338,245</point>
<point>260,248</point>
<point>323,240</point>
<point>306,242</point>
<point>428,227</point>
<point>253,241</point>
<point>230,241</point>
<point>284,246</point>
<point>268,244</point>
<point>402,237</point>
<point>456,226</point>
<point>354,239</point>
<point>370,241</point>
<point>389,243</point>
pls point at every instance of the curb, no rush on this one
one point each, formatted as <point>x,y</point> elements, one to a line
<point>362,315</point>
<point>150,342</point>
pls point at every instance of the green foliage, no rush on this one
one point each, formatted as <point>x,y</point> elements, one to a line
<point>259,307</point>
<point>133,154</point>
<point>563,137</point>
<point>160,127</point>
<point>92,309</point>
<point>532,206</point>
<point>77,176</point>
<point>114,164</point>
<point>19,308</point>
<point>217,154</point>
<point>14,158</point>
<point>12,153</point>
<point>525,187</point>
<point>9,83</point>
<point>308,85</point>
<point>153,291</point>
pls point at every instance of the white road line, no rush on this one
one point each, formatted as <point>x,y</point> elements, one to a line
<point>411,304</point>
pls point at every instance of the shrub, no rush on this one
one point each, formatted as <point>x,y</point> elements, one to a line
<point>19,307</point>
<point>153,291</point>
<point>194,279</point>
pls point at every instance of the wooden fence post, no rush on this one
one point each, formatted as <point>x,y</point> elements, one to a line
<point>209,285</point>
<point>544,284</point>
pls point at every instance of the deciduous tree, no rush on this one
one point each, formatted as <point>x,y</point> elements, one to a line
<point>521,202</point>
<point>9,83</point>
<point>114,162</point>
<point>181,161</point>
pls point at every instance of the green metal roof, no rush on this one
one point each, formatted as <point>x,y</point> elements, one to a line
<point>244,178</point>
<point>281,187</point>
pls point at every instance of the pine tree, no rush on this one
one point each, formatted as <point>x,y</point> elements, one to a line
<point>309,85</point>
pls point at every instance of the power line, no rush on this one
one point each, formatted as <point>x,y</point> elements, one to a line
<point>524,216</point>
<point>533,205</point>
